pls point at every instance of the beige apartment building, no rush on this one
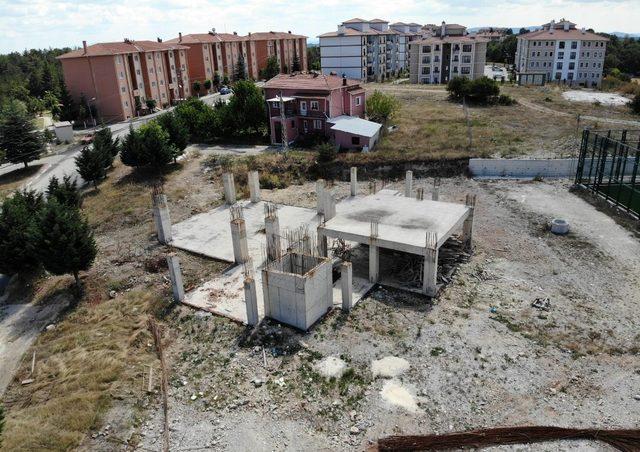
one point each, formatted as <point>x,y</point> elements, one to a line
<point>449,53</point>
<point>562,53</point>
<point>117,78</point>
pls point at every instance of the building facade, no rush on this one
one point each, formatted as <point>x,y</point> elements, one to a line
<point>369,50</point>
<point>212,52</point>
<point>449,52</point>
<point>311,102</point>
<point>117,78</point>
<point>562,53</point>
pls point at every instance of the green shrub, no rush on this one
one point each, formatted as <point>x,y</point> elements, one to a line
<point>505,99</point>
<point>459,87</point>
<point>483,89</point>
<point>271,181</point>
<point>326,153</point>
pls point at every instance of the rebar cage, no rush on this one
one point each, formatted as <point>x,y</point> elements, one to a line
<point>608,166</point>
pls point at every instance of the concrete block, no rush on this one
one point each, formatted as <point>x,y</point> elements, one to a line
<point>320,187</point>
<point>329,209</point>
<point>251,300</point>
<point>229,188</point>
<point>175,275</point>
<point>346,278</point>
<point>239,239</point>
<point>354,181</point>
<point>162,219</point>
<point>408,184</point>
<point>272,231</point>
<point>254,186</point>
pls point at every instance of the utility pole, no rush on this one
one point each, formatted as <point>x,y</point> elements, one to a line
<point>283,121</point>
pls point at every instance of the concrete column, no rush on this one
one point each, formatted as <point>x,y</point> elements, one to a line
<point>251,301</point>
<point>354,181</point>
<point>239,240</point>
<point>374,263</point>
<point>323,245</point>
<point>320,185</point>
<point>306,244</point>
<point>176,278</point>
<point>254,186</point>
<point>329,205</point>
<point>467,226</point>
<point>229,188</point>
<point>272,231</point>
<point>161,218</point>
<point>430,275</point>
<point>435,195</point>
<point>346,278</point>
<point>408,184</point>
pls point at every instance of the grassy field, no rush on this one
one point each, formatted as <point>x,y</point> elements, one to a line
<point>430,126</point>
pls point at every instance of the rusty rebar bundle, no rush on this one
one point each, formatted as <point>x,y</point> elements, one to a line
<point>626,440</point>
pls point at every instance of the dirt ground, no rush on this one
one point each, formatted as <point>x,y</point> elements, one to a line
<point>480,355</point>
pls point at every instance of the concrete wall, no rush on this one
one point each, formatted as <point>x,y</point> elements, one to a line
<point>298,300</point>
<point>529,168</point>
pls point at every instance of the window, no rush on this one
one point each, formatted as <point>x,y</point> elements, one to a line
<point>358,101</point>
<point>559,65</point>
<point>140,85</point>
<point>305,126</point>
<point>574,44</point>
<point>437,49</point>
<point>162,82</point>
<point>123,89</point>
<point>456,58</point>
<point>317,124</point>
<point>149,57</point>
<point>153,83</point>
<point>121,74</point>
<point>466,48</point>
<point>572,66</point>
<point>560,55</point>
<point>135,58</point>
<point>465,70</point>
<point>355,141</point>
<point>315,105</point>
<point>426,60</point>
<point>425,70</point>
<point>126,103</point>
<point>561,44</point>
<point>150,70</point>
<point>436,59</point>
<point>466,59</point>
<point>426,49</point>
<point>572,55</point>
<point>137,71</point>
<point>163,95</point>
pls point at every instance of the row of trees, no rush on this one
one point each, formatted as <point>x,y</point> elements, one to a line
<point>19,141</point>
<point>480,91</point>
<point>623,54</point>
<point>46,233</point>
<point>161,141</point>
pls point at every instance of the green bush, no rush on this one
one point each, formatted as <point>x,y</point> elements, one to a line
<point>480,91</point>
<point>459,87</point>
<point>271,181</point>
<point>505,99</point>
<point>326,153</point>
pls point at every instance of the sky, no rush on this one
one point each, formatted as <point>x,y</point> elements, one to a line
<point>26,24</point>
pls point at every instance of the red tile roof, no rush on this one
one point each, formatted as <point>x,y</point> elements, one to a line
<point>355,20</point>
<point>119,48</point>
<point>572,33</point>
<point>310,82</point>
<point>199,38</point>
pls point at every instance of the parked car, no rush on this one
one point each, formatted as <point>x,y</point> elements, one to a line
<point>225,90</point>
<point>87,139</point>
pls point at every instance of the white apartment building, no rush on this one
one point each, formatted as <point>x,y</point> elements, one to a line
<point>443,56</point>
<point>560,52</point>
<point>367,49</point>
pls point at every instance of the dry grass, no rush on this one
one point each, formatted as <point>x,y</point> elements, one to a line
<point>432,127</point>
<point>13,180</point>
<point>91,356</point>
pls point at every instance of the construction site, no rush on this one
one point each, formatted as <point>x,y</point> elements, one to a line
<point>332,314</point>
<point>353,310</point>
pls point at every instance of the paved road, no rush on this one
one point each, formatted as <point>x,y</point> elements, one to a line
<point>63,163</point>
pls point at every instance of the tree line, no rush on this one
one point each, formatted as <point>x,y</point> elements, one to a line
<point>162,140</point>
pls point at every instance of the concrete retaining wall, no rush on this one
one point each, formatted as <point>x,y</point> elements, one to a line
<point>530,168</point>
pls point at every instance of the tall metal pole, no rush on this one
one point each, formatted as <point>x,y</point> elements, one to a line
<point>283,121</point>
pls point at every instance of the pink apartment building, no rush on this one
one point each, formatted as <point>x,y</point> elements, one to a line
<point>219,52</point>
<point>319,104</point>
<point>114,77</point>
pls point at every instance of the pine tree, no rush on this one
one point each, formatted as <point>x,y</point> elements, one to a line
<point>157,150</point>
<point>216,80</point>
<point>66,193</point>
<point>271,69</point>
<point>131,149</point>
<point>177,130</point>
<point>69,110</point>
<point>90,165</point>
<point>19,232</point>
<point>66,244</point>
<point>240,72</point>
<point>106,146</point>
<point>18,139</point>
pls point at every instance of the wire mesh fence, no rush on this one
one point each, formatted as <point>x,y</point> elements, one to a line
<point>608,166</point>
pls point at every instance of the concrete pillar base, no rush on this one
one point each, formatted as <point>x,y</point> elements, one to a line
<point>272,231</point>
<point>320,186</point>
<point>229,188</point>
<point>374,263</point>
<point>354,181</point>
<point>239,240</point>
<point>408,184</point>
<point>175,274</point>
<point>254,186</point>
<point>251,301</point>
<point>162,219</point>
<point>346,277</point>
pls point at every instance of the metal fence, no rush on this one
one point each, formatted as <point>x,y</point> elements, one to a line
<point>608,166</point>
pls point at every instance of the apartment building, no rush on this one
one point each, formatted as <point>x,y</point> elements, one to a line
<point>322,104</point>
<point>219,52</point>
<point>367,49</point>
<point>118,77</point>
<point>446,53</point>
<point>562,53</point>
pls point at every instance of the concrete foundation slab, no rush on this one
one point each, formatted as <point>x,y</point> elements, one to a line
<point>209,234</point>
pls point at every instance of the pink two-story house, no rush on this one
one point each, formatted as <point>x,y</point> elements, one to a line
<point>319,104</point>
